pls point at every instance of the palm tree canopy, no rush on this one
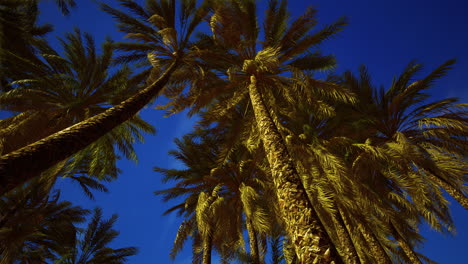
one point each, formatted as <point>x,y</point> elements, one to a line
<point>379,154</point>
<point>64,90</point>
<point>282,57</point>
<point>239,186</point>
<point>81,135</point>
<point>35,225</point>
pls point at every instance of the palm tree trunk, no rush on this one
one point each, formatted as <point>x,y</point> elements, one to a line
<point>348,250</point>
<point>454,192</point>
<point>21,165</point>
<point>409,252</point>
<point>380,256</point>
<point>18,133</point>
<point>207,246</point>
<point>253,242</point>
<point>310,241</point>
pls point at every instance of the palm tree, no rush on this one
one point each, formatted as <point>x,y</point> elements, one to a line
<point>65,90</point>
<point>366,174</point>
<point>268,78</point>
<point>247,190</point>
<point>429,137</point>
<point>209,211</point>
<point>437,130</point>
<point>427,142</point>
<point>91,246</point>
<point>170,51</point>
<point>324,174</point>
<point>242,182</point>
<point>34,225</point>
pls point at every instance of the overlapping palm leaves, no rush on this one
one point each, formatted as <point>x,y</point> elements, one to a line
<point>92,244</point>
<point>271,77</point>
<point>437,131</point>
<point>158,33</point>
<point>367,173</point>
<point>81,135</point>
<point>19,33</point>
<point>64,90</point>
<point>376,151</point>
<point>240,187</point>
<point>35,225</point>
<point>198,169</point>
<point>203,207</point>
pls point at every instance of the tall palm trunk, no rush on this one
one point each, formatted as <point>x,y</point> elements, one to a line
<point>348,250</point>
<point>454,192</point>
<point>253,242</point>
<point>310,241</point>
<point>207,247</point>
<point>29,161</point>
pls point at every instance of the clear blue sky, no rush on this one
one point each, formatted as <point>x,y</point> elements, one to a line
<point>384,35</point>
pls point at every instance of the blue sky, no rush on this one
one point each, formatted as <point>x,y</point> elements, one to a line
<point>384,35</point>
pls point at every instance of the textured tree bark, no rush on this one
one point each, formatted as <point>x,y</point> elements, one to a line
<point>454,192</point>
<point>23,164</point>
<point>207,246</point>
<point>348,250</point>
<point>253,242</point>
<point>376,248</point>
<point>310,241</point>
<point>409,252</point>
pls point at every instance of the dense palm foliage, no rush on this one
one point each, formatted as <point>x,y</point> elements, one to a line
<point>368,185</point>
<point>37,228</point>
<point>269,78</point>
<point>49,151</point>
<point>242,190</point>
<point>91,245</point>
<point>281,163</point>
<point>380,167</point>
<point>35,225</point>
<point>62,91</point>
<point>19,33</point>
